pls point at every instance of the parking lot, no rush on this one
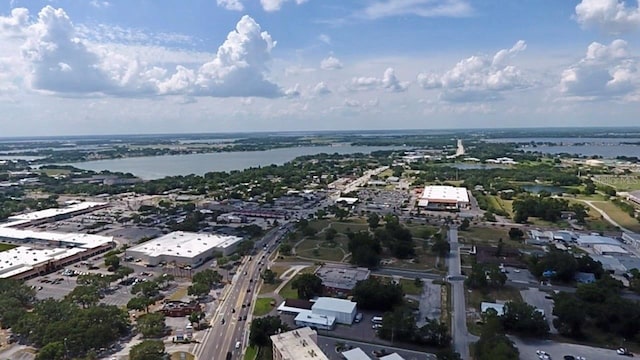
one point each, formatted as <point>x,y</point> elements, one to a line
<point>53,286</point>
<point>558,350</point>
<point>522,276</point>
<point>537,298</point>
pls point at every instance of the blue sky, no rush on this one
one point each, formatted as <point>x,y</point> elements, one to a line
<point>147,66</point>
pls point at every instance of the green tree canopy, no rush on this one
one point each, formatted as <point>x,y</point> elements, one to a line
<point>307,285</point>
<point>147,350</point>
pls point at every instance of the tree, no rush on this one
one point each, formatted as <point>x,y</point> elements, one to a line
<point>245,247</point>
<point>85,295</point>
<point>373,294</point>
<point>147,350</point>
<point>112,262</point>
<point>524,319</point>
<point>398,324</point>
<point>139,303</point>
<point>148,289</point>
<point>269,276</point>
<point>208,277</point>
<point>98,280</point>
<point>52,351</point>
<point>365,250</point>
<point>373,220</point>
<point>262,328</point>
<point>516,233</point>
<point>151,324</point>
<point>285,249</point>
<point>123,272</point>
<point>570,315</point>
<point>441,247</point>
<point>563,263</point>
<point>195,317</point>
<point>330,234</point>
<point>485,277</point>
<point>433,333</point>
<point>198,289</point>
<point>464,226</point>
<point>493,344</point>
<point>308,286</point>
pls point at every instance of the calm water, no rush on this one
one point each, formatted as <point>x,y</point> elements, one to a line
<point>605,147</point>
<point>565,140</point>
<point>157,167</point>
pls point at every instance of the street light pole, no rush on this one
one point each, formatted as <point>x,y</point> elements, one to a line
<point>66,352</point>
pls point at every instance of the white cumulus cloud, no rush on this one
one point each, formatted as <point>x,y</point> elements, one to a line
<point>330,63</point>
<point>275,5</point>
<point>606,71</point>
<point>478,77</point>
<point>235,5</point>
<point>389,82</point>
<point>612,16</point>
<point>321,89</point>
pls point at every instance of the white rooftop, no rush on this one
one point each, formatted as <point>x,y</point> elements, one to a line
<point>499,308</point>
<point>186,244</point>
<point>49,213</point>
<point>298,344</point>
<point>86,241</point>
<point>24,258</point>
<point>309,317</point>
<point>445,193</point>
<point>393,356</point>
<point>606,248</point>
<point>596,239</point>
<point>355,354</point>
<point>333,304</point>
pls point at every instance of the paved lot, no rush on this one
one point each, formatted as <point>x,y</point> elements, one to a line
<point>358,331</point>
<point>537,298</point>
<point>131,235</point>
<point>521,276</point>
<point>430,302</point>
<point>558,350</point>
<point>328,345</point>
<point>51,290</point>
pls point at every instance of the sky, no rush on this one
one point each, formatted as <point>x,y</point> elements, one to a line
<point>70,67</point>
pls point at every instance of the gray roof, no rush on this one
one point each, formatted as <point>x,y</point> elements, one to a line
<point>629,262</point>
<point>333,304</point>
<point>609,263</point>
<point>597,239</point>
<point>355,354</point>
<point>342,277</point>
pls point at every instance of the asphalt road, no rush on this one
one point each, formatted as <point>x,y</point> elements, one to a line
<point>459,330</point>
<point>222,338</point>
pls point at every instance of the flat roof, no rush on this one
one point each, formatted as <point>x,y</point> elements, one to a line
<point>49,213</point>
<point>298,344</point>
<point>596,239</point>
<point>499,308</point>
<point>86,241</point>
<point>393,356</point>
<point>24,258</point>
<point>355,354</point>
<point>309,317</point>
<point>184,244</point>
<point>342,277</point>
<point>609,262</point>
<point>609,248</point>
<point>445,193</point>
<point>333,304</point>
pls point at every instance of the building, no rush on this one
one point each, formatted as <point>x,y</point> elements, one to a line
<point>537,237</point>
<point>605,249</point>
<point>299,344</point>
<point>315,321</point>
<point>393,356</point>
<point>499,308</point>
<point>610,264</point>
<point>634,196</point>
<point>55,214</point>
<point>179,308</point>
<point>590,240</point>
<point>343,310</point>
<point>444,198</point>
<point>340,281</point>
<point>632,239</point>
<point>184,248</point>
<point>355,354</point>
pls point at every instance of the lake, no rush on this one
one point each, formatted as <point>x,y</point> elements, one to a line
<point>606,147</point>
<point>157,167</point>
<point>565,140</point>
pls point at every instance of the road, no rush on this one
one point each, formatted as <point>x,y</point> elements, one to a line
<point>222,338</point>
<point>459,331</point>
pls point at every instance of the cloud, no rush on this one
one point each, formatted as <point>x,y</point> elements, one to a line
<point>422,8</point>
<point>606,71</point>
<point>275,5</point>
<point>325,39</point>
<point>612,16</point>
<point>54,57</point>
<point>388,82</point>
<point>100,4</point>
<point>293,92</point>
<point>321,89</point>
<point>478,78</point>
<point>234,5</point>
<point>330,63</point>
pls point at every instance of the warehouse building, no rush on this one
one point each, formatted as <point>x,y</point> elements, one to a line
<point>593,239</point>
<point>442,197</point>
<point>605,249</point>
<point>55,214</point>
<point>341,281</point>
<point>184,248</point>
<point>315,321</point>
<point>343,310</point>
<point>299,344</point>
<point>632,239</point>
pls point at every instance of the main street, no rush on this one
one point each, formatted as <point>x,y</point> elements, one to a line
<point>459,331</point>
<point>221,337</point>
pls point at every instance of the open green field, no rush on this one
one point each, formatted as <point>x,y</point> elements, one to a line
<point>322,250</point>
<point>618,215</point>
<point>262,306</point>
<point>410,288</point>
<point>5,247</point>
<point>619,182</point>
<point>287,291</point>
<point>178,355</point>
<point>489,236</point>
<point>269,288</point>
<point>498,203</point>
<point>251,353</point>
<point>343,227</point>
<point>420,230</point>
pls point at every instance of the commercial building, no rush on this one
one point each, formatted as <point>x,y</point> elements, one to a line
<point>184,248</point>
<point>40,252</point>
<point>590,240</point>
<point>315,321</point>
<point>605,249</point>
<point>442,197</point>
<point>634,196</point>
<point>393,356</point>
<point>339,280</point>
<point>632,239</point>
<point>355,354</point>
<point>299,344</point>
<point>344,311</point>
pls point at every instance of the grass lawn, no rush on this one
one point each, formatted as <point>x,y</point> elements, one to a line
<point>343,227</point>
<point>619,182</point>
<point>54,172</point>
<point>498,203</point>
<point>5,247</point>
<point>410,288</point>
<point>418,230</point>
<point>251,353</point>
<point>322,253</point>
<point>287,291</point>
<point>269,288</point>
<point>426,261</point>
<point>322,250</point>
<point>263,306</point>
<point>188,356</point>
<point>618,215</point>
<point>319,224</point>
